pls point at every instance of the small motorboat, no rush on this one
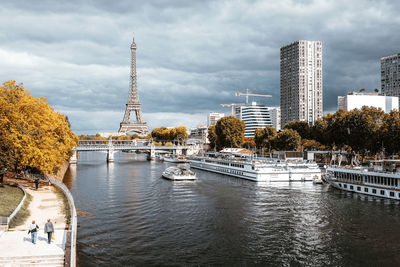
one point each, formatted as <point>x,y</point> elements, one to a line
<point>317,180</point>
<point>179,173</point>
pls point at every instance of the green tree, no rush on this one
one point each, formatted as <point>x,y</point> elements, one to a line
<point>229,131</point>
<point>390,132</point>
<point>301,127</point>
<point>157,133</point>
<point>212,136</point>
<point>310,144</point>
<point>288,139</point>
<point>248,142</point>
<point>264,138</point>
<point>181,133</point>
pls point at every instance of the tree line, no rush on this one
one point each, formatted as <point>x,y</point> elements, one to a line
<point>164,134</point>
<point>32,135</point>
<point>362,131</point>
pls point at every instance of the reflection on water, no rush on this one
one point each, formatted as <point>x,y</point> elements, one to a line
<point>139,219</point>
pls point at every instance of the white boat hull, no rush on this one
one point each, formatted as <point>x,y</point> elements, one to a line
<point>365,188</point>
<point>179,177</point>
<point>263,174</point>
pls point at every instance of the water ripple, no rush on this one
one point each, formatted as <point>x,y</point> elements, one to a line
<point>140,219</point>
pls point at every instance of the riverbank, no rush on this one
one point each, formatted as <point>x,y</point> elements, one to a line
<point>46,203</point>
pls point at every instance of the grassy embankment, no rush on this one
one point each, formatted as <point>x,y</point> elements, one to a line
<point>65,210</point>
<point>10,197</point>
<point>22,214</point>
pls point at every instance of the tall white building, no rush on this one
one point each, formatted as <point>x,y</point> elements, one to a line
<point>254,116</point>
<point>390,75</point>
<point>213,117</point>
<point>301,82</point>
<point>275,114</point>
<point>359,99</point>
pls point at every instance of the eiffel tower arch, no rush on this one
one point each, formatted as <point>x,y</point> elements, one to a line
<point>133,118</point>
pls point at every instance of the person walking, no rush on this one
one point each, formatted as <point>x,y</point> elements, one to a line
<point>49,229</point>
<point>37,183</point>
<point>33,228</point>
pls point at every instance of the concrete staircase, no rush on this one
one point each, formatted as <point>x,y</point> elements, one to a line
<point>25,261</point>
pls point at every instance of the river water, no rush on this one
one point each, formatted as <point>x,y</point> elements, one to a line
<point>132,217</point>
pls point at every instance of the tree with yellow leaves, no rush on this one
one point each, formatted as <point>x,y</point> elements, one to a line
<point>32,134</point>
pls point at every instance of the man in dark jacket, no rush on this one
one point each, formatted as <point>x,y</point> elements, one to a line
<point>37,183</point>
<point>49,229</point>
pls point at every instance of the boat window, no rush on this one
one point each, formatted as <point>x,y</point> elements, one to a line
<point>358,188</point>
<point>345,185</point>
<point>395,182</point>
<point>382,192</point>
<point>391,194</point>
<point>365,189</point>
<point>351,187</point>
<point>340,185</point>
<point>374,191</point>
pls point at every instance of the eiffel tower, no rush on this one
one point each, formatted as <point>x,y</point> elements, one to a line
<point>133,104</point>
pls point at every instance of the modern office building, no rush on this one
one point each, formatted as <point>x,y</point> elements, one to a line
<point>301,82</point>
<point>390,75</point>
<point>359,99</point>
<point>254,116</point>
<point>275,114</point>
<point>213,117</point>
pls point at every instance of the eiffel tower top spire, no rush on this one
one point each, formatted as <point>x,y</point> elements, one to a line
<point>133,91</point>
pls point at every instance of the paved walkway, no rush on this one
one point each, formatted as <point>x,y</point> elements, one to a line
<point>45,204</point>
<point>18,243</point>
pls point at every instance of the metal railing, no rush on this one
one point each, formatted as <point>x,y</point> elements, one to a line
<point>70,260</point>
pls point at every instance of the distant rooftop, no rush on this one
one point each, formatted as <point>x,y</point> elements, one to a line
<point>390,56</point>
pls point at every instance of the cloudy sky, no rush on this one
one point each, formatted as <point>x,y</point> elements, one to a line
<point>191,55</point>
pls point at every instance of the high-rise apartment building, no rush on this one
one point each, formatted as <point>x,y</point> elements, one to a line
<point>390,75</point>
<point>275,114</point>
<point>301,82</point>
<point>254,116</point>
<point>213,117</point>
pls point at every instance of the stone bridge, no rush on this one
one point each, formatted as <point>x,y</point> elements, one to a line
<point>111,146</point>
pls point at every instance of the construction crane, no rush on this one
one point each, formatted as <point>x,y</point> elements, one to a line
<point>247,94</point>
<point>233,105</point>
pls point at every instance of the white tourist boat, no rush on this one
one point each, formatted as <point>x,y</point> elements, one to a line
<point>373,181</point>
<point>175,159</point>
<point>268,170</point>
<point>179,173</point>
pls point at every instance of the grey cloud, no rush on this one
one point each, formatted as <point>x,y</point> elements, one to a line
<point>192,55</point>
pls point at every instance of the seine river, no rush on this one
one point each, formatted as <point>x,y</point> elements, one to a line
<point>130,216</point>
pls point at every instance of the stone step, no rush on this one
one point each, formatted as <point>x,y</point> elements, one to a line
<point>32,261</point>
<point>41,257</point>
<point>54,264</point>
